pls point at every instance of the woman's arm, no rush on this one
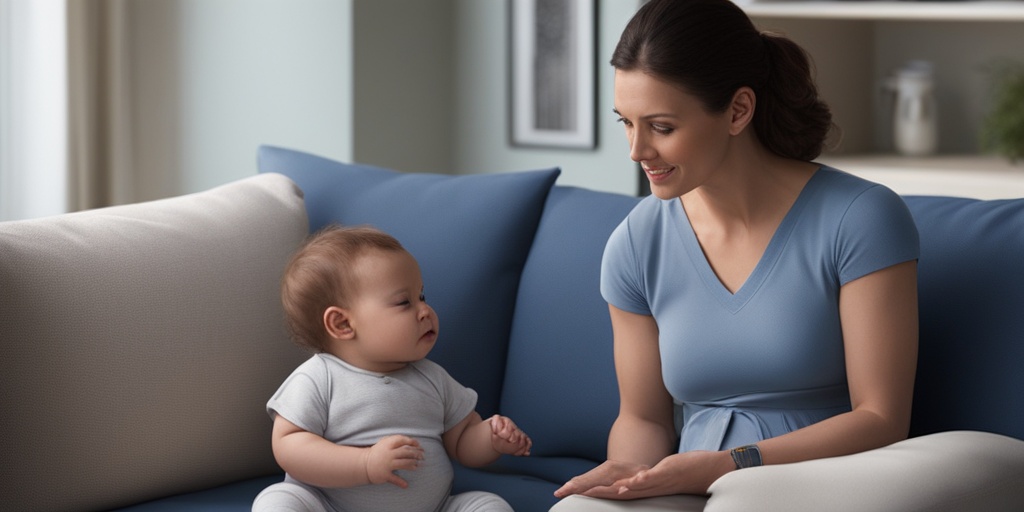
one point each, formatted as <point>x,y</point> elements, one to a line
<point>314,460</point>
<point>879,321</point>
<point>880,329</point>
<point>644,431</point>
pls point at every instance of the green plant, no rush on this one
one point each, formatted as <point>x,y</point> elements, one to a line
<point>1003,128</point>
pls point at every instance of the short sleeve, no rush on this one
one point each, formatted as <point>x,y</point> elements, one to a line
<point>302,399</point>
<point>877,231</point>
<point>621,276</point>
<point>459,401</point>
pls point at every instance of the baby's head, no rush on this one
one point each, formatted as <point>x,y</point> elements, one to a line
<point>324,273</point>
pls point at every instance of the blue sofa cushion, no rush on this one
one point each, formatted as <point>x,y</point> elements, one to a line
<point>560,382</point>
<point>470,234</point>
<point>526,483</point>
<point>523,493</point>
<point>971,286</point>
<point>234,497</point>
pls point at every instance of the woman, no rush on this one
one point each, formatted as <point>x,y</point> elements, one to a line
<point>763,306</point>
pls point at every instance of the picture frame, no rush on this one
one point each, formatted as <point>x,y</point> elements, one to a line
<point>553,73</point>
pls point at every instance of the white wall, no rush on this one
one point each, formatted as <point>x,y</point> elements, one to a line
<point>423,85</point>
<point>403,71</point>
<point>408,84</point>
<point>482,114</point>
<point>432,93</point>
<point>214,79</point>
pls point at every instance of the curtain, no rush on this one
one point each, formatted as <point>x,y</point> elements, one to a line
<point>33,108</point>
<point>99,105</point>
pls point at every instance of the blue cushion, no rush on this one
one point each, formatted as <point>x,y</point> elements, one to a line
<point>236,497</point>
<point>971,286</point>
<point>471,235</point>
<point>554,470</point>
<point>524,493</point>
<point>560,382</point>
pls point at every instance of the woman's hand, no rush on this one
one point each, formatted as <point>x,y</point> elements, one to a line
<point>682,473</point>
<point>601,481</point>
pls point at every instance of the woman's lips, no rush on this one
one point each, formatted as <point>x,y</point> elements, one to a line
<point>658,173</point>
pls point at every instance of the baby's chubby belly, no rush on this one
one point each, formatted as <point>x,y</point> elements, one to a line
<point>429,485</point>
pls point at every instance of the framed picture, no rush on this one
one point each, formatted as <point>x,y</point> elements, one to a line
<point>553,73</point>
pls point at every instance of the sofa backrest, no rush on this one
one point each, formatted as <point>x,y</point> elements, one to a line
<point>470,234</point>
<point>139,345</point>
<point>971,295</point>
<point>560,381</point>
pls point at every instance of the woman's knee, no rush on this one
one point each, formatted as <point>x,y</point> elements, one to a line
<point>677,503</point>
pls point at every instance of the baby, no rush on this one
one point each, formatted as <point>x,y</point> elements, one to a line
<point>368,423</point>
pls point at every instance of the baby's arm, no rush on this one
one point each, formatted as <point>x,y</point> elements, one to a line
<point>475,442</point>
<point>314,460</point>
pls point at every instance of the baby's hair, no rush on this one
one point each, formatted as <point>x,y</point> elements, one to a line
<point>321,274</point>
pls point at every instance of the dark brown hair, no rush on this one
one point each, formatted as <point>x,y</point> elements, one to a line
<point>320,275</point>
<point>710,49</point>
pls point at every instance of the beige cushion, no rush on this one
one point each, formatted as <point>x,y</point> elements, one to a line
<point>676,503</point>
<point>946,472</point>
<point>950,471</point>
<point>140,344</point>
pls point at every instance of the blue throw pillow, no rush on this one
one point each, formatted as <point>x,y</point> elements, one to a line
<point>560,383</point>
<point>971,296</point>
<point>470,234</point>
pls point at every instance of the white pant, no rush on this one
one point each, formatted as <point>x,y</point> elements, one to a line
<point>289,497</point>
<point>950,471</point>
<point>678,503</point>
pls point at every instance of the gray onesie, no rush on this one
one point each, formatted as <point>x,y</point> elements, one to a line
<point>347,405</point>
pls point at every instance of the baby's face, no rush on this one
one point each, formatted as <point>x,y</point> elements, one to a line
<point>393,323</point>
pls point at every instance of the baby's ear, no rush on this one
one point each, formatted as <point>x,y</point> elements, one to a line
<point>336,321</point>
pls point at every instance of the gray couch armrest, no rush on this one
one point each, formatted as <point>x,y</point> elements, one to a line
<point>140,344</point>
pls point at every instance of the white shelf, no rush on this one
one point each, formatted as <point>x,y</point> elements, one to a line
<point>966,10</point>
<point>981,177</point>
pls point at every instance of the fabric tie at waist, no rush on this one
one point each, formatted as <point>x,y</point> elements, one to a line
<point>720,427</point>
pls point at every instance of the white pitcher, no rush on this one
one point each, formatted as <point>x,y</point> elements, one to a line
<point>915,112</point>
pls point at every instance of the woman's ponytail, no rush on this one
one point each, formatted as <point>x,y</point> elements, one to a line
<point>790,119</point>
<point>711,48</point>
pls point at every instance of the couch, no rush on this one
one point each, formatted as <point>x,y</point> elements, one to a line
<point>141,342</point>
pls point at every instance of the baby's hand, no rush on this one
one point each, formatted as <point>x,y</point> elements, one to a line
<point>389,455</point>
<point>507,438</point>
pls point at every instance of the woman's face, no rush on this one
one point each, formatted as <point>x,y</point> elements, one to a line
<point>676,141</point>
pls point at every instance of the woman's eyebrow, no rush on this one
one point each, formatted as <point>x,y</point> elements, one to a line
<point>648,116</point>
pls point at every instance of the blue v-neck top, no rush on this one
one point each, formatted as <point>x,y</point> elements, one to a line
<point>767,359</point>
